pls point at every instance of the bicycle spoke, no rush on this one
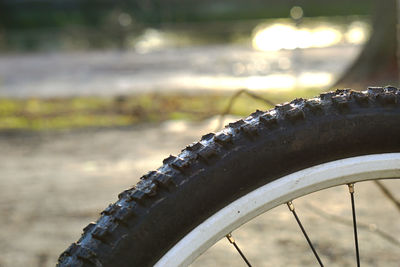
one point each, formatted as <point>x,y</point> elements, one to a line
<point>291,208</point>
<point>232,241</point>
<point>353,208</point>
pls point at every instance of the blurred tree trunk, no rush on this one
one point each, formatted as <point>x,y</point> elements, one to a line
<point>377,63</point>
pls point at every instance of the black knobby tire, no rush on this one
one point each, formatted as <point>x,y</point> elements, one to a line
<point>168,203</point>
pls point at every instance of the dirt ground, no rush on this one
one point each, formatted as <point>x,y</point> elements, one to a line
<point>54,184</point>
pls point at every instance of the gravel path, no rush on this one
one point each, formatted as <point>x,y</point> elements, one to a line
<point>54,184</point>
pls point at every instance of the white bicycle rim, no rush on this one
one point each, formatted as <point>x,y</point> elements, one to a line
<point>349,170</point>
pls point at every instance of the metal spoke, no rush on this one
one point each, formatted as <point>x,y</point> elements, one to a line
<point>291,208</point>
<point>232,241</point>
<point>353,208</point>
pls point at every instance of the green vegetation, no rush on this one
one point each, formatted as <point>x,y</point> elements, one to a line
<point>32,25</point>
<point>68,113</point>
<point>32,14</point>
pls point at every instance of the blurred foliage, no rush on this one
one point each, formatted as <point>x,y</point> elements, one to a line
<point>67,113</point>
<point>24,14</point>
<point>30,24</point>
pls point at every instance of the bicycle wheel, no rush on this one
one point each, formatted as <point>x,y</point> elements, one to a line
<point>213,186</point>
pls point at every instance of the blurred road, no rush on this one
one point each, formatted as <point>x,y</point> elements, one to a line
<point>54,184</point>
<point>224,67</point>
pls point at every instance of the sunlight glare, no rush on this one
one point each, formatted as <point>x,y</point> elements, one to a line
<point>357,33</point>
<point>274,81</point>
<point>275,37</point>
<point>284,36</point>
<point>323,37</point>
<point>151,40</point>
<point>314,79</point>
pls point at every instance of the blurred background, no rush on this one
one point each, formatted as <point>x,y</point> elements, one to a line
<point>94,93</point>
<point>85,63</point>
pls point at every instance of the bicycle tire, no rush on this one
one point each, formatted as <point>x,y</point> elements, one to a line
<point>206,176</point>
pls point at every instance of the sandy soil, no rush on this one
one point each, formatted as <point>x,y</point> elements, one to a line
<point>54,184</point>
